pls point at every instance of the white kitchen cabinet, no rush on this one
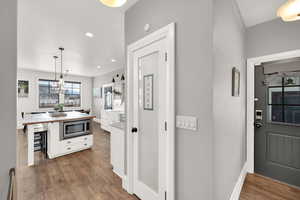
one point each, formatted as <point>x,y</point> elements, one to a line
<point>117,150</point>
<point>108,118</point>
<point>58,147</point>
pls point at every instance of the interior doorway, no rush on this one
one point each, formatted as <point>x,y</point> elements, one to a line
<point>277,120</point>
<point>151,116</point>
<point>273,140</point>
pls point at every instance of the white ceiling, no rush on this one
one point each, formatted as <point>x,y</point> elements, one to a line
<point>258,11</point>
<point>43,26</point>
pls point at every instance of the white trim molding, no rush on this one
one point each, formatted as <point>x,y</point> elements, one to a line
<point>239,184</point>
<point>251,63</point>
<point>167,32</point>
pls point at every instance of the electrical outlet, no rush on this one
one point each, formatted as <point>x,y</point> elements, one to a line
<point>187,122</point>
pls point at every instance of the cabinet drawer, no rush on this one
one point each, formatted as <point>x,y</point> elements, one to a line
<point>69,142</point>
<point>76,144</point>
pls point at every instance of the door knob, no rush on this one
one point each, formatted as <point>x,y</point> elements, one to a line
<point>134,130</point>
<point>258,124</point>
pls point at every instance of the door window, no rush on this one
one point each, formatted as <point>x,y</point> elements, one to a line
<point>284,100</point>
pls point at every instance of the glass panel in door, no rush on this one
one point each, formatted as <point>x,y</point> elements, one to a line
<point>148,140</point>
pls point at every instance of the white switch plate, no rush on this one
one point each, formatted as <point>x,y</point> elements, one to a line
<point>187,122</point>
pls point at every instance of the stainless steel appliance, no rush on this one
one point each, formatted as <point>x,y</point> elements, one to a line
<point>75,129</point>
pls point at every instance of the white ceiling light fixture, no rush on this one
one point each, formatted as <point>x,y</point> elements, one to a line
<point>98,67</point>
<point>113,60</point>
<point>290,11</point>
<point>90,35</point>
<point>113,3</point>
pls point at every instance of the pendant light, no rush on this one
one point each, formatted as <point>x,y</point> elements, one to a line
<point>55,58</point>
<point>61,77</point>
<point>55,86</point>
<point>290,11</point>
<point>113,3</point>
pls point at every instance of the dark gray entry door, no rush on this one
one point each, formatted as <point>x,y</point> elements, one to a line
<point>277,127</point>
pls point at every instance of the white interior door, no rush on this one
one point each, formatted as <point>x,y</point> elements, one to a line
<point>149,119</point>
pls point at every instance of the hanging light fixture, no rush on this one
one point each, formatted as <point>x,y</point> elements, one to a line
<point>55,86</point>
<point>113,3</point>
<point>290,11</point>
<point>61,77</point>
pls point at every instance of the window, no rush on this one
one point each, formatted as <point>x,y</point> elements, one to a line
<point>47,98</point>
<point>72,94</point>
<point>284,100</point>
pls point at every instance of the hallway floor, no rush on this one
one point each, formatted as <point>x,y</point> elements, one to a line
<point>257,187</point>
<point>85,175</point>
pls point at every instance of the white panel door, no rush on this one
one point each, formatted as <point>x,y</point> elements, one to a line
<point>149,121</point>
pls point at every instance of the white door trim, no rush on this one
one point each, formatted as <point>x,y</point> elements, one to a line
<point>251,63</point>
<point>168,33</point>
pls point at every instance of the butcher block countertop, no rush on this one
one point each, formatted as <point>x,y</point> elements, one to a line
<point>47,118</point>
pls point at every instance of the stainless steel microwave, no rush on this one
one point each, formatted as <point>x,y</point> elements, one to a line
<point>75,129</point>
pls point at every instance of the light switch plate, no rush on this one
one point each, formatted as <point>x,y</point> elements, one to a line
<point>187,122</point>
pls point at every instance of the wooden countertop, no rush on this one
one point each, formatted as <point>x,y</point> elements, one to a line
<point>46,118</point>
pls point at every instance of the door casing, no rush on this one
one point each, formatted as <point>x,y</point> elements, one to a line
<point>251,63</point>
<point>168,33</point>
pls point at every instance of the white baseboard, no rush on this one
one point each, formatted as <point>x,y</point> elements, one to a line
<point>239,184</point>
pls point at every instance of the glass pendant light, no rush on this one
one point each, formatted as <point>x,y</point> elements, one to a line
<point>61,77</point>
<point>290,11</point>
<point>55,86</point>
<point>113,3</point>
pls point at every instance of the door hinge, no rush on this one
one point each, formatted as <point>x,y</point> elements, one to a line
<point>165,195</point>
<point>166,126</point>
<point>166,56</point>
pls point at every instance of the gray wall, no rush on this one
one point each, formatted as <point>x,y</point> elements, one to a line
<point>228,111</point>
<point>8,66</point>
<point>272,37</point>
<point>97,83</point>
<point>193,84</point>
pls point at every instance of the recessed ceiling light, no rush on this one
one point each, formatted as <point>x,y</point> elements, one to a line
<point>113,60</point>
<point>88,34</point>
<point>99,67</point>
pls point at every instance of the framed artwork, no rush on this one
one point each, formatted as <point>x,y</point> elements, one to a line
<point>23,88</point>
<point>148,92</point>
<point>236,76</point>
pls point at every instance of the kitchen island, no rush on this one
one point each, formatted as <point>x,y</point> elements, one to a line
<point>67,133</point>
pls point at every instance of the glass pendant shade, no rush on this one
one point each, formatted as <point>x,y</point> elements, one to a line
<point>61,78</point>
<point>113,3</point>
<point>290,11</point>
<point>55,87</point>
<point>61,85</point>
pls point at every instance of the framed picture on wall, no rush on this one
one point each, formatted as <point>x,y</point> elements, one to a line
<point>23,88</point>
<point>148,92</point>
<point>236,76</point>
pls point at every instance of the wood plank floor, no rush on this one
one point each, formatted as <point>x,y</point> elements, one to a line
<point>85,175</point>
<point>257,187</point>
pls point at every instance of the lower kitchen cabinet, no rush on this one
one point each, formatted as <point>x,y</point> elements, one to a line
<point>117,150</point>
